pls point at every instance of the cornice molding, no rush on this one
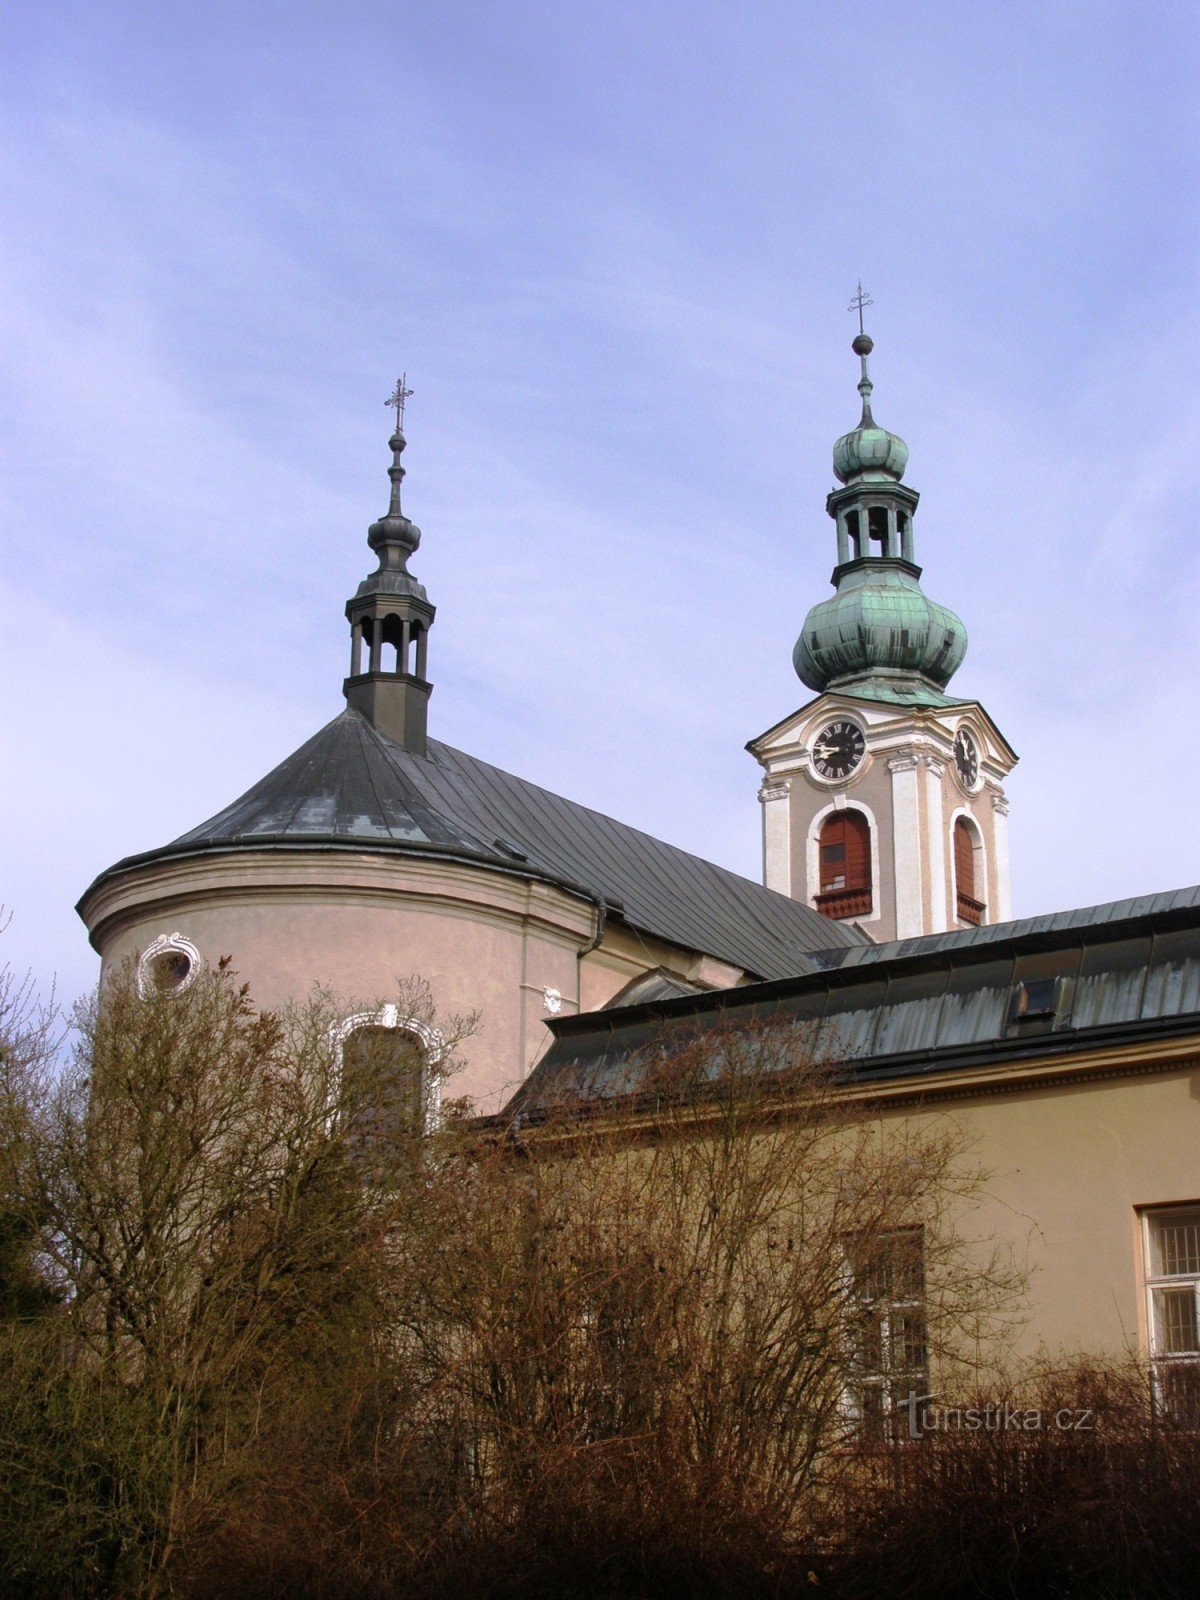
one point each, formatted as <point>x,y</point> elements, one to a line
<point>775,789</point>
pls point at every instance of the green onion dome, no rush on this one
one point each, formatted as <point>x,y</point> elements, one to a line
<point>880,622</point>
<point>869,451</point>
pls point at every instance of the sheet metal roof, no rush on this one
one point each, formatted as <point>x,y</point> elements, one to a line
<point>1052,926</point>
<point>351,787</point>
<point>1103,974</point>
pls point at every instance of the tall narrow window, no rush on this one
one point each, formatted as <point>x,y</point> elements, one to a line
<point>968,889</point>
<point>844,852</point>
<point>384,1094</point>
<point>888,1328</point>
<point>1172,1243</point>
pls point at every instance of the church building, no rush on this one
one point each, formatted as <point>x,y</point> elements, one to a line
<point>1067,1046</point>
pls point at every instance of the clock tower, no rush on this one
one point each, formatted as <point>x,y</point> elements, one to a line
<point>883,800</point>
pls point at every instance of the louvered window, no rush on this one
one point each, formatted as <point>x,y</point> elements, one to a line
<point>844,850</point>
<point>1172,1242</point>
<point>970,903</point>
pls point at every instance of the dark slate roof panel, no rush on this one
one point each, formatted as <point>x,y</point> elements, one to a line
<point>351,785</point>
<point>1084,917</point>
<point>1130,970</point>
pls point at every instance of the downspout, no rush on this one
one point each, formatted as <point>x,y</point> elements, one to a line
<point>593,943</point>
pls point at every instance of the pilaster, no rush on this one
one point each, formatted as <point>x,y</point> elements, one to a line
<point>1001,887</point>
<point>906,843</point>
<point>936,845</point>
<point>777,835</point>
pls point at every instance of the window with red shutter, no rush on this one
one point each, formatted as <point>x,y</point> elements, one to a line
<point>844,853</point>
<point>970,906</point>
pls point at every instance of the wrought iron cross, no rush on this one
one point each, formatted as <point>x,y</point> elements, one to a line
<point>857,304</point>
<point>397,399</point>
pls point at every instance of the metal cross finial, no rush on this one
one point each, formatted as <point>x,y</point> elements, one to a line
<point>397,399</point>
<point>860,300</point>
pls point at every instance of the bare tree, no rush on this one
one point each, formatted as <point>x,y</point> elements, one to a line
<point>197,1185</point>
<point>306,1340</point>
<point>662,1318</point>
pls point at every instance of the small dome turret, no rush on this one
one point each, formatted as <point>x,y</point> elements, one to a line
<point>868,451</point>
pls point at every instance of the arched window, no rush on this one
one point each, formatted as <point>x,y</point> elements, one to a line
<point>388,1084</point>
<point>968,883</point>
<point>844,854</point>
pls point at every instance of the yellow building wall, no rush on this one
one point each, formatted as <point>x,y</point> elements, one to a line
<point>1069,1166</point>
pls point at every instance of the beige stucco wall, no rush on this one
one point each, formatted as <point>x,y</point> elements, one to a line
<point>484,941</point>
<point>1069,1165</point>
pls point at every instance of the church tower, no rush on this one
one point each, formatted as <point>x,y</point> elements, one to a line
<point>882,800</point>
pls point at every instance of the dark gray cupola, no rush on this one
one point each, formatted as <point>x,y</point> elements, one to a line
<point>390,617</point>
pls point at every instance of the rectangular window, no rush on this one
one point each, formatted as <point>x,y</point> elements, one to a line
<point>888,1327</point>
<point>1171,1241</point>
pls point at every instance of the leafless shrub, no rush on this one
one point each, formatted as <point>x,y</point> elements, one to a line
<point>1066,1480</point>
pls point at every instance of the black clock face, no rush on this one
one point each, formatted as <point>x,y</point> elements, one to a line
<point>838,749</point>
<point>966,758</point>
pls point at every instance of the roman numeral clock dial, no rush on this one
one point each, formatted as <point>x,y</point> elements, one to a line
<point>838,750</point>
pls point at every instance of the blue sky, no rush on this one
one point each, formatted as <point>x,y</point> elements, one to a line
<point>612,245</point>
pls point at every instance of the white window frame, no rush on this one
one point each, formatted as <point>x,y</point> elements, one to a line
<point>1162,1361</point>
<point>884,1381</point>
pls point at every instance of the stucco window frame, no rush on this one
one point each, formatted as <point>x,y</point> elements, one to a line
<point>167,944</point>
<point>392,1020</point>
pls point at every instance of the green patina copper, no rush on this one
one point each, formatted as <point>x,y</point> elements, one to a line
<point>879,637</point>
<point>879,624</point>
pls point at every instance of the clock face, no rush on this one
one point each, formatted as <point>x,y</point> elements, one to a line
<point>966,758</point>
<point>838,749</point>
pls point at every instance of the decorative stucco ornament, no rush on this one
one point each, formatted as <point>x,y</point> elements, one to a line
<point>167,966</point>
